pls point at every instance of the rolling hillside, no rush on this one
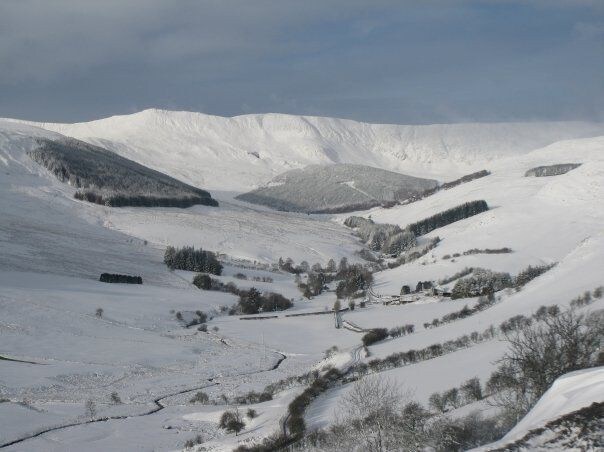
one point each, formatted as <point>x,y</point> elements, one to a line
<point>336,188</point>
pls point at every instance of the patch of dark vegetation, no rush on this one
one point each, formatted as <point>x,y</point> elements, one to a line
<point>355,280</point>
<point>504,250</point>
<point>336,188</point>
<point>295,421</point>
<point>374,335</point>
<point>481,282</point>
<point>109,179</point>
<point>449,216</point>
<point>231,421</point>
<point>188,258</point>
<point>484,282</point>
<point>551,170</point>
<point>530,273</point>
<point>122,279</point>
<point>402,330</point>
<point>252,302</point>
<point>448,185</point>
<point>253,397</point>
<point>413,255</point>
<point>190,318</point>
<point>385,238</point>
<point>464,179</point>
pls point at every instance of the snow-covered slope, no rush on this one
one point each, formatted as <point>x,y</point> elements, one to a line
<point>569,393</point>
<point>242,152</point>
<point>338,187</point>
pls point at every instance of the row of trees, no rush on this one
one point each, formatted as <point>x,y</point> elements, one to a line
<point>484,282</point>
<point>288,265</point>
<point>191,259</point>
<point>483,303</point>
<point>250,301</point>
<point>116,278</point>
<point>469,392</point>
<point>124,199</point>
<point>448,185</point>
<point>378,415</point>
<point>449,216</point>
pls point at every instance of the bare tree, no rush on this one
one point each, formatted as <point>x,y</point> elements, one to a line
<point>90,409</point>
<point>542,351</point>
<point>370,409</point>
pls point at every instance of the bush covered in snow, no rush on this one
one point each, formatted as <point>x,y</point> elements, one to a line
<point>530,273</point>
<point>482,282</point>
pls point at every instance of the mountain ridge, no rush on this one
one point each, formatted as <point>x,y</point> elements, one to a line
<point>243,152</point>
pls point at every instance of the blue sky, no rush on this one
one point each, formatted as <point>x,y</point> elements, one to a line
<point>376,61</point>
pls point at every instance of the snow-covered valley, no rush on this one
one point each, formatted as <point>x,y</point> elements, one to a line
<point>60,357</point>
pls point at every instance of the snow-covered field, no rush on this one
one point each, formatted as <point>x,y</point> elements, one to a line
<point>53,249</point>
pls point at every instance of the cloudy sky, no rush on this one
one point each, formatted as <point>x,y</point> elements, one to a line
<point>378,61</point>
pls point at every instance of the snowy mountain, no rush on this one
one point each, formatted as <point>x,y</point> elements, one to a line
<point>244,152</point>
<point>336,188</point>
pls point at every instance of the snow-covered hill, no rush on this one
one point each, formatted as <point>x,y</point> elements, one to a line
<point>53,248</point>
<point>336,188</point>
<point>243,152</point>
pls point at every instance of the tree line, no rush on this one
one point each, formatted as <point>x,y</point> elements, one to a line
<point>123,279</point>
<point>457,213</point>
<point>251,301</point>
<point>134,200</point>
<point>106,178</point>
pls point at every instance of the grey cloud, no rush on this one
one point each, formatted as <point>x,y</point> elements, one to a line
<point>386,61</point>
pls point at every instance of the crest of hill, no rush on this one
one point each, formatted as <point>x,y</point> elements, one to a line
<point>336,188</point>
<point>244,152</point>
